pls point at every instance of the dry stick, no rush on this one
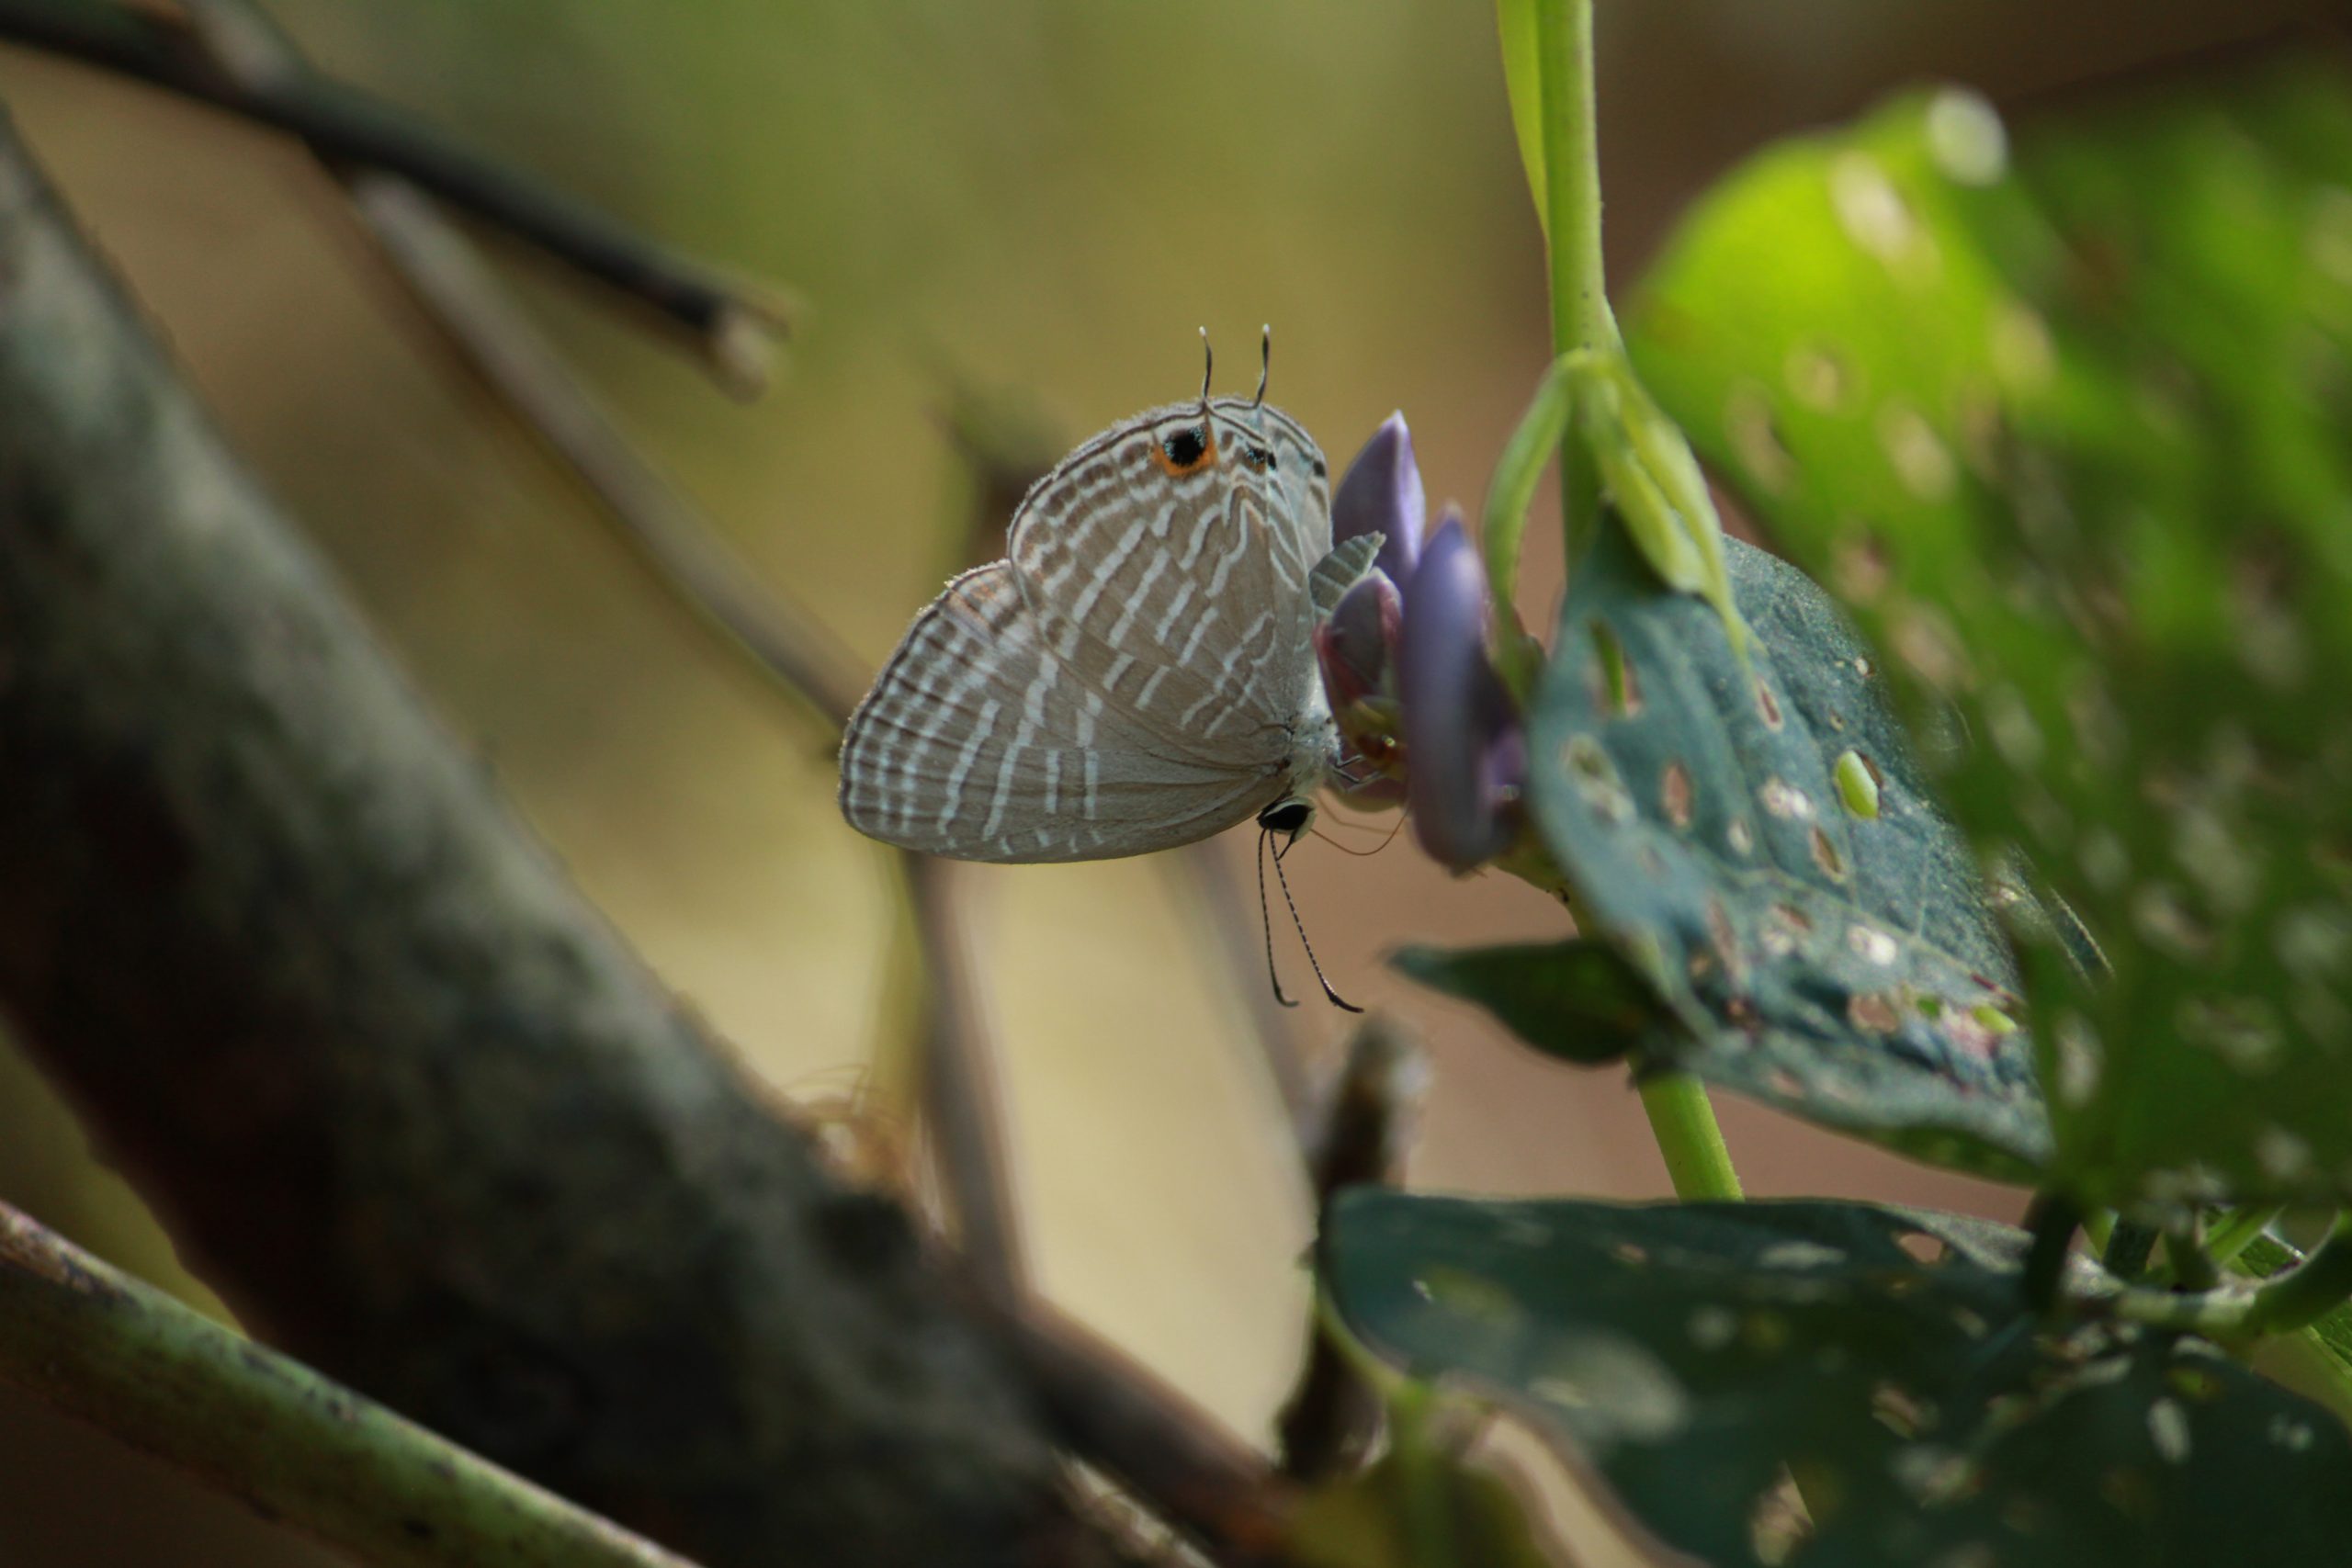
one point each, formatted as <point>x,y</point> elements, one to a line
<point>727,319</point>
<point>441,267</point>
<point>1213,1488</point>
<point>962,1094</point>
<point>1329,1422</point>
<point>106,1348</point>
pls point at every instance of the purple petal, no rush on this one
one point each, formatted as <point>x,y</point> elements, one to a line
<point>1465,758</point>
<point>1381,492</point>
<point>1357,643</point>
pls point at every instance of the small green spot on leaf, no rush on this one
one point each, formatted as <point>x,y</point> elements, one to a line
<point>1857,786</point>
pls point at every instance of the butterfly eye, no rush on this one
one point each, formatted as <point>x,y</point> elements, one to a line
<point>1184,451</point>
<point>1258,458</point>
<point>1320,471</point>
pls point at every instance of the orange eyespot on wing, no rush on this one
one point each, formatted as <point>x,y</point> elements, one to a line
<point>1185,450</point>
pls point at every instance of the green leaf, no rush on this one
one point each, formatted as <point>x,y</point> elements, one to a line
<point>1515,21</point>
<point>1575,1000</point>
<point>1700,1354</point>
<point>2071,429</point>
<point>1843,967</point>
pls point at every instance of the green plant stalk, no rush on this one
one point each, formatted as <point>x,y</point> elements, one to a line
<point>1581,315</point>
<point>2127,1249</point>
<point>2283,1303</point>
<point>1683,1121</point>
<point>123,1356</point>
<point>2238,1228</point>
<point>1509,493</point>
<point>2310,1291</point>
<point>1678,1106</point>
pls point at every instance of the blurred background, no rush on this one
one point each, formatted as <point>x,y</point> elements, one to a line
<point>1031,205</point>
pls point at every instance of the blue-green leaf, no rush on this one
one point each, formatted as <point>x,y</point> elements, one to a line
<point>1700,1355</point>
<point>1831,955</point>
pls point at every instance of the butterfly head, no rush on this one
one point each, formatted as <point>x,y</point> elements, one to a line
<point>1238,442</point>
<point>1288,819</point>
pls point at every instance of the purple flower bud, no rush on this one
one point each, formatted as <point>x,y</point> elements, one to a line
<point>1357,643</point>
<point>1381,492</point>
<point>1465,756</point>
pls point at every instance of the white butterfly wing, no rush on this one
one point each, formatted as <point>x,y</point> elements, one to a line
<point>978,742</point>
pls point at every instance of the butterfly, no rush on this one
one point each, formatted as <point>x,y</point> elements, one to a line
<point>1139,672</point>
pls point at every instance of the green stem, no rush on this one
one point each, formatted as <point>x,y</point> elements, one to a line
<point>1580,313</point>
<point>1684,1124</point>
<point>1509,493</point>
<point>2126,1251</point>
<point>1582,325</point>
<point>2308,1291</point>
<point>2192,1267</point>
<point>2236,1230</point>
<point>123,1356</point>
<point>2286,1302</point>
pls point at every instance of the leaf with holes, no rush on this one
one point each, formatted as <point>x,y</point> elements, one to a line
<point>1702,1355</point>
<point>1754,836</point>
<point>1577,1000</point>
<point>2070,424</point>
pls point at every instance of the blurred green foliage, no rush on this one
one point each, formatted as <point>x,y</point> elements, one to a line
<point>2067,424</point>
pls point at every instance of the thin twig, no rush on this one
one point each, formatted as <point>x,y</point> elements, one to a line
<point>1205,1484</point>
<point>440,265</point>
<point>962,1096</point>
<point>727,319</point>
<point>441,268</point>
<point>1330,1420</point>
<point>106,1348</point>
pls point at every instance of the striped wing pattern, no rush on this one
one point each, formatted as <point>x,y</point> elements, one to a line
<point>1130,678</point>
<point>1184,600</point>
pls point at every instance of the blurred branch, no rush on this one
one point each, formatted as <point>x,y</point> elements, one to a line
<point>397,1090</point>
<point>1330,1422</point>
<point>963,1097</point>
<point>678,545</point>
<point>1209,1487</point>
<point>106,1348</point>
<point>1203,873</point>
<point>730,322</point>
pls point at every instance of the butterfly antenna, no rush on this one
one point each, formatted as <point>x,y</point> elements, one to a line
<point>1208,368</point>
<point>1265,362</point>
<point>1266,919</point>
<point>1282,878</point>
